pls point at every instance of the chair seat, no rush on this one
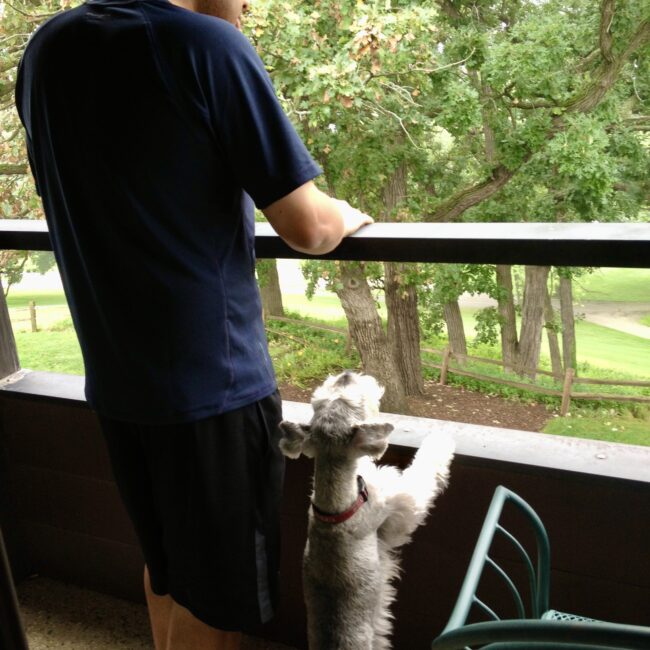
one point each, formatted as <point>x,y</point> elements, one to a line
<point>554,615</point>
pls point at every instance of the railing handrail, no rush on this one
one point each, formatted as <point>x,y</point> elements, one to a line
<point>625,245</point>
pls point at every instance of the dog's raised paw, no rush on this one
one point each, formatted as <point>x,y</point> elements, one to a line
<point>438,447</point>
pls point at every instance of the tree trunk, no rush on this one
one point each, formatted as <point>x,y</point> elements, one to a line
<point>568,324</point>
<point>455,329</point>
<point>403,327</point>
<point>551,333</point>
<point>369,336</point>
<point>401,301</point>
<point>532,320</point>
<point>8,354</point>
<point>508,317</point>
<point>269,282</point>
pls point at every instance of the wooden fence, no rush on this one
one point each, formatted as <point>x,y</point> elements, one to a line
<point>31,315</point>
<point>569,380</point>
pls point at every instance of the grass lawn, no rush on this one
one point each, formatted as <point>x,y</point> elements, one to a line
<point>325,307</point>
<point>645,320</point>
<point>612,428</point>
<point>601,347</point>
<point>617,285</point>
<point>52,350</point>
<point>17,299</point>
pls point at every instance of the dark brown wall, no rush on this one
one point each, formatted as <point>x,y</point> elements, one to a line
<point>62,516</point>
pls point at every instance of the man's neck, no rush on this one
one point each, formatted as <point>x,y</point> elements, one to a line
<point>190,5</point>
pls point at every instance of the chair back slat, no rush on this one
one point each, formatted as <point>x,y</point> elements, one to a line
<point>491,613</point>
<point>519,603</point>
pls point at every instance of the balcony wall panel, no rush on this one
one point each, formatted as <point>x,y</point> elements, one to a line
<point>65,521</point>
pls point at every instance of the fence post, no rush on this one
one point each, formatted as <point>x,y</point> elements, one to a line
<point>445,365</point>
<point>32,315</point>
<point>566,391</point>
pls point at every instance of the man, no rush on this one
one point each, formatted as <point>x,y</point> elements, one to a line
<point>149,125</point>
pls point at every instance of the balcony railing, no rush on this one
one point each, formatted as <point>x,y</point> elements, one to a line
<point>561,244</point>
<point>483,450</point>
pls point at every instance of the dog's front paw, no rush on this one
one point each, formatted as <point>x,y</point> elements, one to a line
<point>438,449</point>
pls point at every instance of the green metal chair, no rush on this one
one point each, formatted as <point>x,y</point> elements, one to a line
<point>536,626</point>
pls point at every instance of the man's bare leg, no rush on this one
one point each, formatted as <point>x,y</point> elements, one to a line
<point>186,632</point>
<point>160,608</point>
<point>175,628</point>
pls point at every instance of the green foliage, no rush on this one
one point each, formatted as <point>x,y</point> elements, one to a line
<point>263,268</point>
<point>12,265</point>
<point>302,355</point>
<point>487,326</point>
<point>438,284</point>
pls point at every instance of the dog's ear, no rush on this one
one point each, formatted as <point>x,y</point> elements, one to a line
<point>371,439</point>
<point>294,439</point>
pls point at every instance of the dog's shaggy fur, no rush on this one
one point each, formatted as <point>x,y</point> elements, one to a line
<point>349,567</point>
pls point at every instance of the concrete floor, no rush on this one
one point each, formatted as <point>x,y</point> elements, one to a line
<point>56,615</point>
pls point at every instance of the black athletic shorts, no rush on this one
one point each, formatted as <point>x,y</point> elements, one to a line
<point>204,499</point>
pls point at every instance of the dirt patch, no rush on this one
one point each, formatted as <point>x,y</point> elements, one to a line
<point>460,405</point>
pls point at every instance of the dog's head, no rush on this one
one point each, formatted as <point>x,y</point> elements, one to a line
<point>344,407</point>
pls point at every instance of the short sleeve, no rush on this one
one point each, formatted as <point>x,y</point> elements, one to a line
<point>260,144</point>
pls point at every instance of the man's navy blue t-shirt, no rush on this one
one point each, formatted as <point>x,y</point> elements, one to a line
<point>149,128</point>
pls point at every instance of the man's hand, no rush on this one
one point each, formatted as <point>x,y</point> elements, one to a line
<point>353,219</point>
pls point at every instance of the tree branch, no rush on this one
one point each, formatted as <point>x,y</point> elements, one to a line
<point>449,9</point>
<point>453,207</point>
<point>13,170</point>
<point>607,73</point>
<point>606,17</point>
<point>605,77</point>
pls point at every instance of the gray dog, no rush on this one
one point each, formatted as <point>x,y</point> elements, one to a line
<point>360,512</point>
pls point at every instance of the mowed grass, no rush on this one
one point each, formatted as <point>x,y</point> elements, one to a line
<point>17,299</point>
<point>604,347</point>
<point>615,285</point>
<point>598,346</point>
<point>51,350</point>
<point>608,427</point>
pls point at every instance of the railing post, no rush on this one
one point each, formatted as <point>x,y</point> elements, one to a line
<point>566,391</point>
<point>8,353</point>
<point>446,355</point>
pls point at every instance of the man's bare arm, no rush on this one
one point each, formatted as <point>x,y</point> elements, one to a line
<point>312,222</point>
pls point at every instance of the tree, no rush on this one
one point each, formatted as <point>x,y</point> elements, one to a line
<point>515,110</point>
<point>269,283</point>
<point>494,110</point>
<point>18,198</point>
<point>546,116</point>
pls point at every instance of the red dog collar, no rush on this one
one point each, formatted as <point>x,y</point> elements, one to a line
<point>329,518</point>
